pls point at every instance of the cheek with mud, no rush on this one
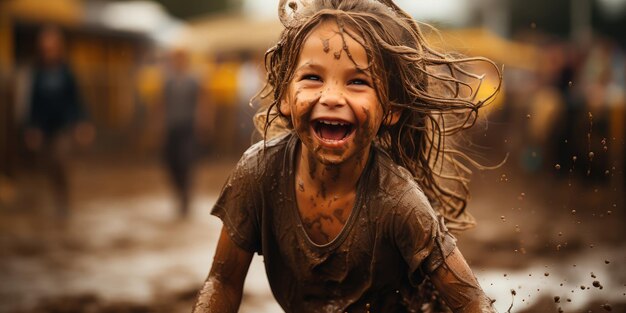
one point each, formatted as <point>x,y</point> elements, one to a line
<point>365,131</point>
<point>302,115</point>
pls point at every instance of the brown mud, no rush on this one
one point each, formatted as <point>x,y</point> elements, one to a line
<point>125,250</point>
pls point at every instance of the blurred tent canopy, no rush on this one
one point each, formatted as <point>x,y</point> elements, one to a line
<point>64,12</point>
<point>185,9</point>
<point>228,33</point>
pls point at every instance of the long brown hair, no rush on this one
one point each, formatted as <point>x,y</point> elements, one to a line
<point>435,92</point>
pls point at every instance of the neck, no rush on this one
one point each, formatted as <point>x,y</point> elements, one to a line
<point>329,180</point>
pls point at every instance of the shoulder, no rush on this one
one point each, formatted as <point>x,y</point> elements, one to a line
<point>395,181</point>
<point>398,192</point>
<point>265,156</point>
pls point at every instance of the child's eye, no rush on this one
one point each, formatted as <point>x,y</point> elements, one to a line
<point>359,81</point>
<point>311,77</point>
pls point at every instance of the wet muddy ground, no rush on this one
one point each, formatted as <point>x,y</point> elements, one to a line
<point>558,243</point>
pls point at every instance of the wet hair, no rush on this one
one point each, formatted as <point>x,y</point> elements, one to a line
<point>435,93</point>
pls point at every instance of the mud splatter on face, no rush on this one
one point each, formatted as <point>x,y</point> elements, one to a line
<point>366,129</point>
<point>326,45</point>
<point>320,75</point>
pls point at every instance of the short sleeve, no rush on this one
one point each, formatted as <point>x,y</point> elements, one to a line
<point>421,238</point>
<point>237,205</point>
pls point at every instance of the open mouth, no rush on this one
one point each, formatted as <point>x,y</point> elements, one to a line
<point>330,130</point>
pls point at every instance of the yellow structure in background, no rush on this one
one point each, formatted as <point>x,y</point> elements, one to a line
<point>216,34</point>
<point>62,12</point>
<point>104,60</point>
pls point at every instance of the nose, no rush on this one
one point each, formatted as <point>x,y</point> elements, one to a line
<point>333,97</point>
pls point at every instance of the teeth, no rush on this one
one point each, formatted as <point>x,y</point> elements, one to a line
<point>334,123</point>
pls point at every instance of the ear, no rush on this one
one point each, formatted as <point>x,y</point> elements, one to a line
<point>284,108</point>
<point>392,117</point>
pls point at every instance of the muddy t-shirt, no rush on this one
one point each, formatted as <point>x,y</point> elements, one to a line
<point>391,240</point>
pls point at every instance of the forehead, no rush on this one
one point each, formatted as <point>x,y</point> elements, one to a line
<point>327,43</point>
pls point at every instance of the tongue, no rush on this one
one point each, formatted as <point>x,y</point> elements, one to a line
<point>333,132</point>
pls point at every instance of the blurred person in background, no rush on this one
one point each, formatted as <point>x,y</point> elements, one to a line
<point>55,115</point>
<point>181,94</point>
<point>249,82</point>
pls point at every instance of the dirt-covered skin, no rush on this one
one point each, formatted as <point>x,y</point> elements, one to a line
<point>458,286</point>
<point>223,288</point>
<point>333,89</point>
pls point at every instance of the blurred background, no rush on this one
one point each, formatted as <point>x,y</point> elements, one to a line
<point>104,201</point>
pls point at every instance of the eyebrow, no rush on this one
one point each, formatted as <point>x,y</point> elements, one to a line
<point>308,64</point>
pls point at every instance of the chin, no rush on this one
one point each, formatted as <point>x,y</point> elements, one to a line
<point>332,158</point>
<point>330,161</point>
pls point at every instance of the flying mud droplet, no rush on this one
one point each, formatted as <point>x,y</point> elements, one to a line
<point>557,299</point>
<point>503,178</point>
<point>513,293</point>
<point>293,6</point>
<point>557,167</point>
<point>527,116</point>
<point>570,83</point>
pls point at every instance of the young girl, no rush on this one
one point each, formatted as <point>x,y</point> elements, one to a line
<point>341,206</point>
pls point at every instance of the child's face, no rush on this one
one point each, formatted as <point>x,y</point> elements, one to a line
<point>333,104</point>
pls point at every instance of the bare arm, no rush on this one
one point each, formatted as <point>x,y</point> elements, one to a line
<point>458,286</point>
<point>223,288</point>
